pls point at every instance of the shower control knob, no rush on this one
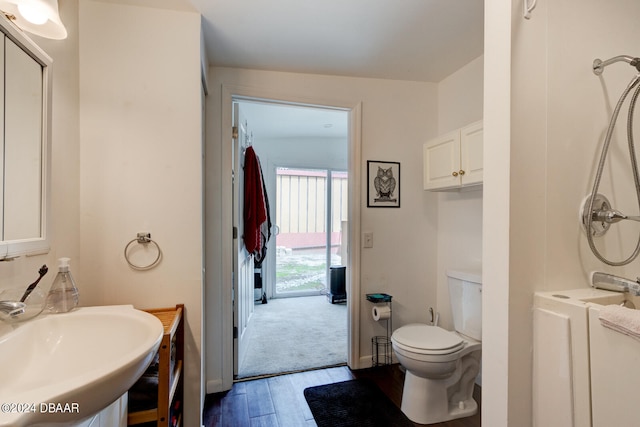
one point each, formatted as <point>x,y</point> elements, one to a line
<point>461,172</point>
<point>455,174</point>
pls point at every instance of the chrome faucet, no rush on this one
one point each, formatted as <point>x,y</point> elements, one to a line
<point>610,282</point>
<point>11,309</point>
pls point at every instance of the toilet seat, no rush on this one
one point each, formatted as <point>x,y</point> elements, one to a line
<point>426,339</point>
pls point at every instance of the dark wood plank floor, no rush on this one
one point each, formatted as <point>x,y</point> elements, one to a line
<point>279,401</point>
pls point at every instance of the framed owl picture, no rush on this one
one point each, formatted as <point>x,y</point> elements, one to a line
<point>383,184</point>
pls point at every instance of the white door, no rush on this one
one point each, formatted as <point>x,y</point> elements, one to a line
<point>242,260</point>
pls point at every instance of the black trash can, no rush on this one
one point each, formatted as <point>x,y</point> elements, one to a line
<point>337,284</point>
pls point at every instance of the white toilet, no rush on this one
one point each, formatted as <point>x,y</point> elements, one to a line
<point>441,366</point>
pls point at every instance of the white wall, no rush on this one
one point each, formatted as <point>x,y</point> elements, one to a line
<point>578,111</point>
<point>459,212</point>
<point>460,97</point>
<point>140,165</point>
<point>117,89</point>
<point>541,91</point>
<point>496,216</point>
<point>397,117</point>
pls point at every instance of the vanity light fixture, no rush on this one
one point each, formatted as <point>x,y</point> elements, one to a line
<point>39,17</point>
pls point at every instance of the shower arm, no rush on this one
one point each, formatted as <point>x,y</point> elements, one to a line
<point>598,64</point>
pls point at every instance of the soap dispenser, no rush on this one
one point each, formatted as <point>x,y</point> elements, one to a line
<point>63,295</point>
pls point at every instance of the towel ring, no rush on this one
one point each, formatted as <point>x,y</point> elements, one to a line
<point>143,238</point>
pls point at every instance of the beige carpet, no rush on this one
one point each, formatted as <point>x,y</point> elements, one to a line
<point>292,334</point>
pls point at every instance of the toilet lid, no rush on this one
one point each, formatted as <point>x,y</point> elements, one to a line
<point>428,338</point>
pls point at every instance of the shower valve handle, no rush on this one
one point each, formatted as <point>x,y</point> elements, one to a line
<point>612,216</point>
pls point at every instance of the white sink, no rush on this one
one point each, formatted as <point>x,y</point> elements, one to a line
<point>583,296</point>
<point>80,362</point>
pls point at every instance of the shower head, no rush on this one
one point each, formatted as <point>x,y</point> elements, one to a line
<point>598,64</point>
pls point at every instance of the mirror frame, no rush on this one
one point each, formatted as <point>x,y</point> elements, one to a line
<point>37,245</point>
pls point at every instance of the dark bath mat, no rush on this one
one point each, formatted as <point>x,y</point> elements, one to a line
<point>357,403</point>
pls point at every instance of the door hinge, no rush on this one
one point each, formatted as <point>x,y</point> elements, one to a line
<point>234,132</point>
<point>235,332</point>
<point>235,232</point>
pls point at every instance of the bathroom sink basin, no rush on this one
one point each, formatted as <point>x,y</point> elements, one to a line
<point>64,368</point>
<point>583,296</point>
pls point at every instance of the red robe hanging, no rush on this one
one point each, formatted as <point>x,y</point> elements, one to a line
<point>255,211</point>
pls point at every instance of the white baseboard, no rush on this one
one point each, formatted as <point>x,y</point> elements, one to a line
<point>367,361</point>
<point>214,386</point>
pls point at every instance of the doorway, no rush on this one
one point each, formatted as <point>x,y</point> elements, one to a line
<point>303,153</point>
<point>231,93</point>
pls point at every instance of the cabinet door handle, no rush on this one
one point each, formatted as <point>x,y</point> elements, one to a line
<point>461,172</point>
<point>455,174</point>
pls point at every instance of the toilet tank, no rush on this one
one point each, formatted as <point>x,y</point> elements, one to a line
<point>465,294</point>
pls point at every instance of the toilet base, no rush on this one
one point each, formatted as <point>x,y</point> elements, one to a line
<point>426,401</point>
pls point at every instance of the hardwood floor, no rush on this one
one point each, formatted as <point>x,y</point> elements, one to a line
<point>279,401</point>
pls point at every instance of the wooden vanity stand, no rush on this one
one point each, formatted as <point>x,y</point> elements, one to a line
<point>168,411</point>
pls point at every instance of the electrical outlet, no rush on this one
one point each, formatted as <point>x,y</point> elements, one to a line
<point>368,240</point>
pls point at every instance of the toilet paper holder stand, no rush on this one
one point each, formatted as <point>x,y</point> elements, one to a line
<point>381,351</point>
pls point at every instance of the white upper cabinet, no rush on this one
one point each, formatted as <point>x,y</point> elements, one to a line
<point>454,160</point>
<point>471,163</point>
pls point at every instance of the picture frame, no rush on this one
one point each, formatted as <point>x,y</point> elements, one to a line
<point>383,184</point>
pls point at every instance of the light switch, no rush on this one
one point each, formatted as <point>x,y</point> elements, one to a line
<point>368,240</point>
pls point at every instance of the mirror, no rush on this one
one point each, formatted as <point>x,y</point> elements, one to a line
<point>24,134</point>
